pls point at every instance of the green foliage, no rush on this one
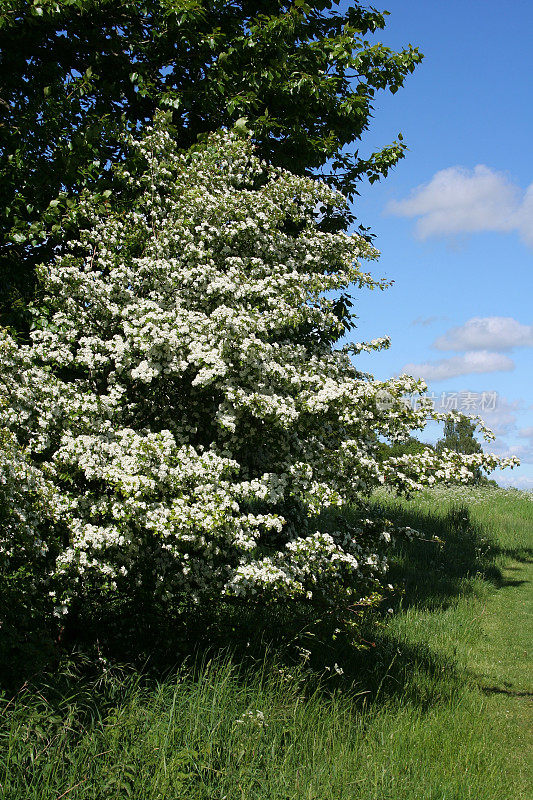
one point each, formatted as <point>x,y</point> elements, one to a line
<point>76,74</point>
<point>411,446</point>
<point>459,437</point>
<point>393,726</point>
<point>25,605</point>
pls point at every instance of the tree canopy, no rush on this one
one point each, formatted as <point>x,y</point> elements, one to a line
<point>459,436</point>
<point>167,434</point>
<point>77,74</point>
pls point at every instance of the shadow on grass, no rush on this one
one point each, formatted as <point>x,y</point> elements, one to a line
<point>513,583</point>
<point>353,652</point>
<point>508,692</point>
<point>364,663</point>
<point>433,574</point>
<point>522,554</point>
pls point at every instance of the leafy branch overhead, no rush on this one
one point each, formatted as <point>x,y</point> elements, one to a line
<point>76,74</point>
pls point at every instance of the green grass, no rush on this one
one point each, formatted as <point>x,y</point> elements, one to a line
<point>432,702</point>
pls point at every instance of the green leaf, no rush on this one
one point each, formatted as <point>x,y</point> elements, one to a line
<point>241,126</point>
<point>225,64</point>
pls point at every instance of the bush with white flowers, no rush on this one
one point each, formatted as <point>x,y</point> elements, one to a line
<point>182,412</point>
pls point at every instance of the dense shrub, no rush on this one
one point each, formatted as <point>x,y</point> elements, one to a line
<point>182,413</point>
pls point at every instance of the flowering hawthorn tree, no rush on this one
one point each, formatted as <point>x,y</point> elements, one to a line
<point>182,406</point>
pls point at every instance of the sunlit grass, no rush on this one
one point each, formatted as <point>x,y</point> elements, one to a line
<point>203,737</point>
<point>432,702</point>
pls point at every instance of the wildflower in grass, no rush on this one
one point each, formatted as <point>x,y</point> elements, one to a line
<point>255,718</point>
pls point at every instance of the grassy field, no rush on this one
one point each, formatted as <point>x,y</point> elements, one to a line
<point>431,701</point>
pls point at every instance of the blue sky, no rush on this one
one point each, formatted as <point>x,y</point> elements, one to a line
<point>454,220</point>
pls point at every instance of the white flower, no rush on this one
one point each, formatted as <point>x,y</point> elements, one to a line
<point>185,389</point>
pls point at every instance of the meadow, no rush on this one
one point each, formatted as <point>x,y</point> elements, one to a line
<point>427,696</point>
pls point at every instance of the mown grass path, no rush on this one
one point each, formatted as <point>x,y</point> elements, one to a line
<point>501,663</point>
<point>482,620</point>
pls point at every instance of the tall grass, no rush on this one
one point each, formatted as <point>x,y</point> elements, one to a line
<point>212,735</point>
<point>395,708</point>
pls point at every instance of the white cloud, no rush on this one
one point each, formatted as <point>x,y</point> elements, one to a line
<point>425,321</point>
<point>496,411</point>
<point>524,482</point>
<point>526,433</point>
<point>502,418</point>
<point>467,364</point>
<point>525,217</point>
<point>483,333</point>
<point>458,200</point>
<point>501,448</point>
<point>502,421</point>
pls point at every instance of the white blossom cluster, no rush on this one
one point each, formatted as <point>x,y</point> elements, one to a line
<point>183,401</point>
<point>254,718</point>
